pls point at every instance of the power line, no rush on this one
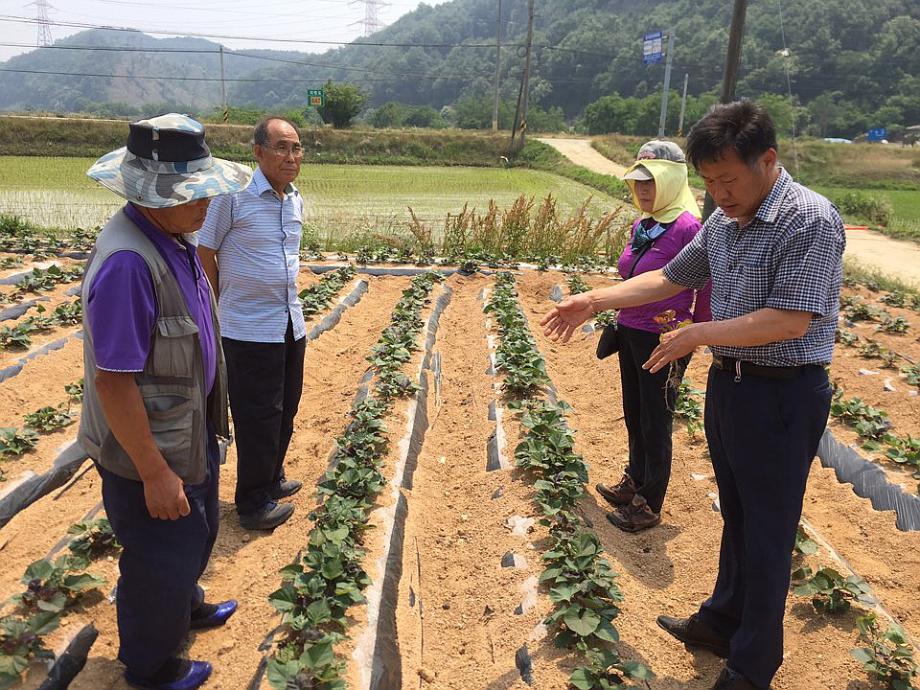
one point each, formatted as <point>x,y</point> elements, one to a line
<point>575,80</point>
<point>209,79</point>
<point>358,42</point>
<point>84,25</point>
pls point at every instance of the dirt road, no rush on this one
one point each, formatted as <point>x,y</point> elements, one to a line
<point>580,152</point>
<point>870,249</point>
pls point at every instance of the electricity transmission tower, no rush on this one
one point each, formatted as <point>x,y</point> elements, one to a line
<point>44,24</point>
<point>371,21</point>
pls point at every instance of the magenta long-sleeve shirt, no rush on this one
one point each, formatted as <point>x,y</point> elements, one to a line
<point>687,304</point>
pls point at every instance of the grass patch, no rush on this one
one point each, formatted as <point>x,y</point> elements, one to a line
<point>21,136</point>
<point>855,273</point>
<point>895,212</point>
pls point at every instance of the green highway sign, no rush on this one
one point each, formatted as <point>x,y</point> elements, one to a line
<point>316,97</point>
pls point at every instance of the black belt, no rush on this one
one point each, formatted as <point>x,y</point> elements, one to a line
<point>741,368</point>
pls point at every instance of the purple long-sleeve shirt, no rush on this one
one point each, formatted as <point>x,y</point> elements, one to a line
<point>665,248</point>
<point>122,305</point>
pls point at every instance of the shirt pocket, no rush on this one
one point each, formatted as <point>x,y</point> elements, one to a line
<point>174,346</point>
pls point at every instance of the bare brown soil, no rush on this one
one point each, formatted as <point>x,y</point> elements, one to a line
<point>458,620</point>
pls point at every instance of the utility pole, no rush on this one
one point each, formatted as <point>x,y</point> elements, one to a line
<point>520,113</point>
<point>730,80</point>
<point>683,107</point>
<point>223,87</point>
<point>667,84</point>
<point>498,66</point>
<point>530,4</point>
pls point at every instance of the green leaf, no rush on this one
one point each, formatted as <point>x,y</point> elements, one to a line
<point>39,570</point>
<point>582,623</point>
<point>607,632</point>
<point>582,679</point>
<point>279,673</point>
<point>44,622</point>
<point>861,654</point>
<point>318,655</point>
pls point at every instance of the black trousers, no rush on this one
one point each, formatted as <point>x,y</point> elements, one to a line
<point>265,381</point>
<point>763,434</point>
<point>160,563</point>
<point>647,404</point>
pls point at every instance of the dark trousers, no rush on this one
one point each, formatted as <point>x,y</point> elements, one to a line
<point>763,434</point>
<point>161,561</point>
<point>265,381</point>
<point>647,404</point>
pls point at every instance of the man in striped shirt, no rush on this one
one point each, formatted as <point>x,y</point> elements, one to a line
<point>250,249</point>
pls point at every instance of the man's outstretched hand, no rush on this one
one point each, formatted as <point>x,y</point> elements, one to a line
<point>560,323</point>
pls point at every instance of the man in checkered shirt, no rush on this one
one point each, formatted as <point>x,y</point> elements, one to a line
<point>774,252</point>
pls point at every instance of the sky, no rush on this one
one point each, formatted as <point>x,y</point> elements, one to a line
<point>322,20</point>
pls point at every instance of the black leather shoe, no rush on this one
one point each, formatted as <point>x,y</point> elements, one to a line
<point>732,680</point>
<point>693,633</point>
<point>287,487</point>
<point>268,517</point>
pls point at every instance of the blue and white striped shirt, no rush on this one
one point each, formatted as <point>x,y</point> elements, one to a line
<point>790,257</point>
<point>256,235</point>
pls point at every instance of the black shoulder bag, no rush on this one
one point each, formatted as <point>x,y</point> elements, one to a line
<point>609,341</point>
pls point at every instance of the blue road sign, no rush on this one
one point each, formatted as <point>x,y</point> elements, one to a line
<point>653,48</point>
<point>877,134</point>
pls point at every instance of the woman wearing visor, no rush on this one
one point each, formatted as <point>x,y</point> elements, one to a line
<point>669,220</point>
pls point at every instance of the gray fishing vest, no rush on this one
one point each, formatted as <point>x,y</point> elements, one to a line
<point>172,384</point>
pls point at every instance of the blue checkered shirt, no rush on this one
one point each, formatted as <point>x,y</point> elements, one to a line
<point>790,256</point>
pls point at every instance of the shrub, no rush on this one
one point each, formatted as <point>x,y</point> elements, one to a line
<point>874,209</point>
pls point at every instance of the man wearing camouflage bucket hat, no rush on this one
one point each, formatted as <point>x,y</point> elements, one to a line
<point>155,391</point>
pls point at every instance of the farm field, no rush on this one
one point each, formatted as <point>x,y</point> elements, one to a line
<point>905,208</point>
<point>456,549</point>
<point>341,200</point>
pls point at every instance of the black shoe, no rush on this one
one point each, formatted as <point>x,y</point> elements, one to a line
<point>621,493</point>
<point>285,488</point>
<point>693,633</point>
<point>732,680</point>
<point>267,517</point>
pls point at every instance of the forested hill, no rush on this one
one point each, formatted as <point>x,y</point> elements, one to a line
<point>846,58</point>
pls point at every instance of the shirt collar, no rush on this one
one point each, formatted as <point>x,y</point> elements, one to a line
<point>261,184</point>
<point>769,207</point>
<point>154,234</point>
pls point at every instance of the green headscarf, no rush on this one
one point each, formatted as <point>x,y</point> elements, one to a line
<point>672,191</point>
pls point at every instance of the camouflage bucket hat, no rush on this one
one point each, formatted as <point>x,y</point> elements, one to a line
<point>167,163</point>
